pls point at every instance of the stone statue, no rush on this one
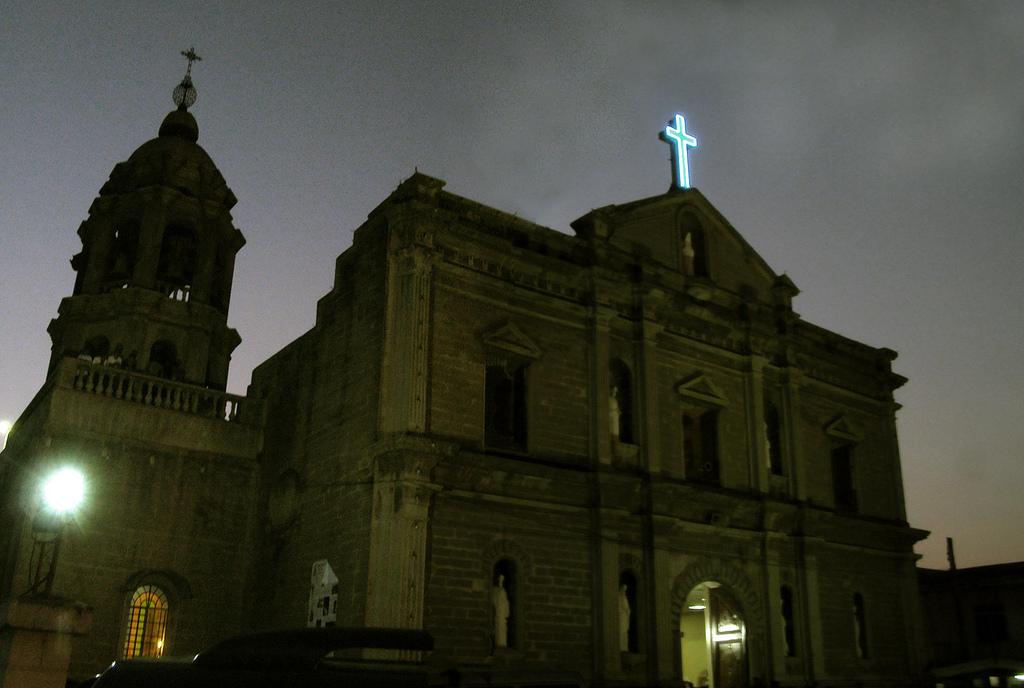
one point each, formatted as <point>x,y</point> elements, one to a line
<point>624,617</point>
<point>688,254</point>
<point>857,637</point>
<point>614,414</point>
<point>499,600</point>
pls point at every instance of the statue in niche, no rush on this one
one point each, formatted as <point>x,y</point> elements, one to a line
<point>688,254</point>
<point>499,600</point>
<point>614,414</point>
<point>857,637</point>
<point>786,649</point>
<point>624,618</point>
<point>767,440</point>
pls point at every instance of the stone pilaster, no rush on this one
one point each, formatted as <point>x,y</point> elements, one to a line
<point>35,640</point>
<point>791,433</point>
<point>601,356</point>
<point>754,413</point>
<point>404,369</point>
<point>647,394</point>
<point>396,577</point>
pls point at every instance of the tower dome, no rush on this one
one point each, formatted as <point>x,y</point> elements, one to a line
<point>158,251</point>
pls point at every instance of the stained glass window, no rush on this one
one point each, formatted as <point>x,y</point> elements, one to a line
<point>147,623</point>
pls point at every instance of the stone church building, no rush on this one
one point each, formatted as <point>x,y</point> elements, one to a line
<point>619,452</point>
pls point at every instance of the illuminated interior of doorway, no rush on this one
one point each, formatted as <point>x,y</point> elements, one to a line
<point>712,637</point>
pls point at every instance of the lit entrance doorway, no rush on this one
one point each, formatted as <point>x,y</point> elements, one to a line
<point>712,638</point>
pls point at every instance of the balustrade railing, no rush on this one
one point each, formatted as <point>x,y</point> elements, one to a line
<point>117,383</point>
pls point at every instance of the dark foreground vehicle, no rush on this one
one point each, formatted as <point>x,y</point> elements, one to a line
<point>321,658</point>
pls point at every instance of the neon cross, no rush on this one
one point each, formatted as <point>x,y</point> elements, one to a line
<point>677,135</point>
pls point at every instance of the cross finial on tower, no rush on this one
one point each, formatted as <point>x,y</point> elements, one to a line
<point>185,93</point>
<point>191,56</point>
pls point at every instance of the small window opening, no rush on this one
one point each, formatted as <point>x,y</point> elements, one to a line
<point>505,406</point>
<point>700,445</point>
<point>842,478</point>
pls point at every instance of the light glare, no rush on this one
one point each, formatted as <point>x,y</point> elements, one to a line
<point>64,490</point>
<point>5,426</point>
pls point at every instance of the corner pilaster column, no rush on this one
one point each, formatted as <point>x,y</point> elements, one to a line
<point>756,423</point>
<point>791,419</point>
<point>602,317</point>
<point>396,576</point>
<point>811,599</point>
<point>404,368</point>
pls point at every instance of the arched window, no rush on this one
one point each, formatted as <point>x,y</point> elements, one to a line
<point>788,622</point>
<point>629,612</point>
<point>163,359</point>
<point>122,254</point>
<point>96,348</point>
<point>621,402</point>
<point>504,595</point>
<point>860,626</point>
<point>177,258</point>
<point>147,623</point>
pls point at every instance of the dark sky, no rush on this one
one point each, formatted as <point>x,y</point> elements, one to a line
<point>872,151</point>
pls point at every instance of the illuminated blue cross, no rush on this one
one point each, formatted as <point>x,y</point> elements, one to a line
<point>677,135</point>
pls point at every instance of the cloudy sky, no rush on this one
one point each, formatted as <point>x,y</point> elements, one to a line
<point>872,151</point>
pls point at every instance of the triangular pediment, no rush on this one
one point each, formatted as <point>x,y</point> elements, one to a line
<point>701,389</point>
<point>841,428</point>
<point>661,224</point>
<point>509,338</point>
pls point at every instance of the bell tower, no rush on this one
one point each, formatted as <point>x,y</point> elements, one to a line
<point>153,280</point>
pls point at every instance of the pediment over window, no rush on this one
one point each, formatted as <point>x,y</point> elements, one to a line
<point>841,428</point>
<point>509,340</point>
<point>701,389</point>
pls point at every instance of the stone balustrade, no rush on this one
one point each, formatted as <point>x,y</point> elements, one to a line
<point>138,388</point>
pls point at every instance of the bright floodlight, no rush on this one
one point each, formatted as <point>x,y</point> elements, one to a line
<point>63,490</point>
<point>5,426</point>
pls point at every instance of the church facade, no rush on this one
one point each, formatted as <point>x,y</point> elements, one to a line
<point>619,453</point>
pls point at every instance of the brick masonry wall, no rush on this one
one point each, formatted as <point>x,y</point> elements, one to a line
<point>468,306</point>
<point>554,565</point>
<point>182,516</point>
<point>322,395</point>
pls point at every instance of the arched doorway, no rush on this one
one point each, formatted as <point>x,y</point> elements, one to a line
<point>713,638</point>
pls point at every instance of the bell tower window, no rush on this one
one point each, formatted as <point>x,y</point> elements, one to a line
<point>122,255</point>
<point>163,360</point>
<point>178,255</point>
